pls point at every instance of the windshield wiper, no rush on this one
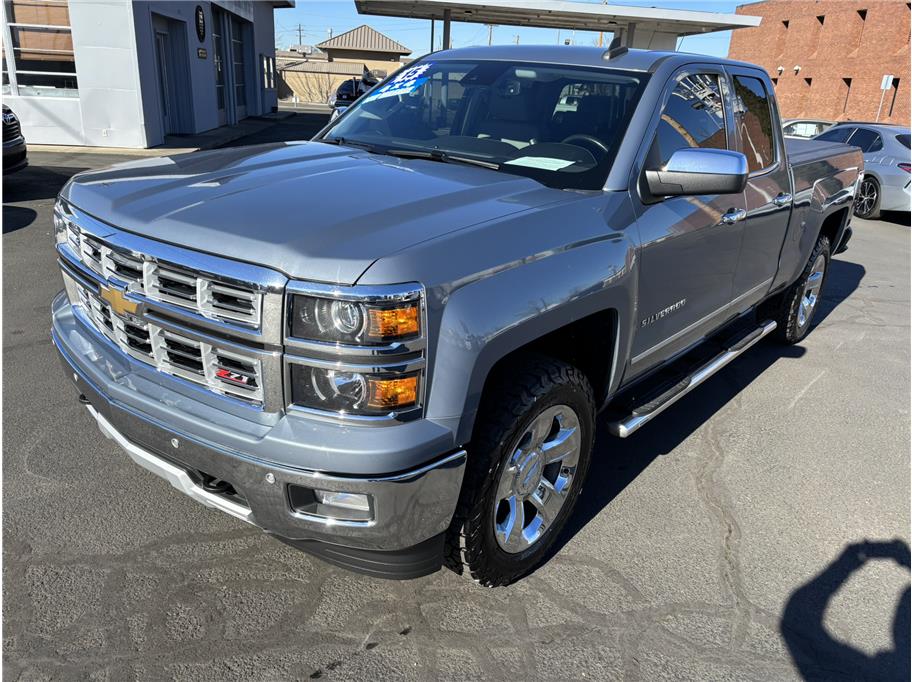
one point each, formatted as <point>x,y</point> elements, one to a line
<point>439,155</point>
<point>349,143</point>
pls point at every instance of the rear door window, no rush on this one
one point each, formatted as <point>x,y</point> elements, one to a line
<point>836,134</point>
<point>755,123</point>
<point>904,140</point>
<point>694,116</point>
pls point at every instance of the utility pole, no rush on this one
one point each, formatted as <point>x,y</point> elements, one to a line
<point>516,39</point>
<point>300,35</point>
<point>490,33</point>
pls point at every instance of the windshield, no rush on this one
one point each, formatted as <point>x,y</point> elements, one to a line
<point>557,124</point>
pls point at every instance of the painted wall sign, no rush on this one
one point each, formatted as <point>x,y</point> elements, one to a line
<point>200,23</point>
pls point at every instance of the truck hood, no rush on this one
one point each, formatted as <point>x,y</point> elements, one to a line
<point>310,210</point>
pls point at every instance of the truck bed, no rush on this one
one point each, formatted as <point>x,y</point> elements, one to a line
<point>801,152</point>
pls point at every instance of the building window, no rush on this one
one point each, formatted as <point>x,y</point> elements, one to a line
<point>268,66</point>
<point>848,91</point>
<point>40,49</point>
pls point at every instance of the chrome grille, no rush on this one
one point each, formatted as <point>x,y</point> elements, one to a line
<point>167,282</point>
<point>220,370</point>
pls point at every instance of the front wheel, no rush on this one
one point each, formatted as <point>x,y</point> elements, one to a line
<point>867,201</point>
<point>527,464</point>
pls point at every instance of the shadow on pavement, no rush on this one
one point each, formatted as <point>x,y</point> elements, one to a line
<point>17,217</point>
<point>897,217</point>
<point>35,183</point>
<point>616,462</point>
<point>296,128</point>
<point>819,655</point>
<point>843,278</point>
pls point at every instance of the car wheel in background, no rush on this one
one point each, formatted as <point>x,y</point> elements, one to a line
<point>867,201</point>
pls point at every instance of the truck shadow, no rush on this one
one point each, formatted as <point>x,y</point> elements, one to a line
<point>616,462</point>
<point>36,182</point>
<point>816,653</point>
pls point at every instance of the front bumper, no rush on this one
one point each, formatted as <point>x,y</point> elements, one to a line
<point>409,510</point>
<point>15,155</point>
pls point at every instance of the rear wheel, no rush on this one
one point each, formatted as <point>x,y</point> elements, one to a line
<point>527,463</point>
<point>794,310</point>
<point>867,201</point>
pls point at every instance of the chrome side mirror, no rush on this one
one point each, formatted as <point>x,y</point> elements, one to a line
<point>692,171</point>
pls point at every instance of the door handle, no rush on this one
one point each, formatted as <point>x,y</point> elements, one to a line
<point>733,215</point>
<point>782,199</point>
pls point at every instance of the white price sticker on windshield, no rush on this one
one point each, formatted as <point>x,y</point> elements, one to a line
<point>543,162</point>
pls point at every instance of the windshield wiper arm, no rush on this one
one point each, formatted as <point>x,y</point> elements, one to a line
<point>439,155</point>
<point>349,143</point>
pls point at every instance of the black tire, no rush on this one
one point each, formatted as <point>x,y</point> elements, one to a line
<point>517,396</point>
<point>867,201</point>
<point>793,323</point>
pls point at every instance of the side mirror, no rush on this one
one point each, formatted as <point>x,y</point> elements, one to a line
<point>692,171</point>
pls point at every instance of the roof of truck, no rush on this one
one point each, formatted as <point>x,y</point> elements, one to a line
<point>573,55</point>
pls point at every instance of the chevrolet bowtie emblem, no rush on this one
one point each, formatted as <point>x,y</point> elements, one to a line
<point>119,303</point>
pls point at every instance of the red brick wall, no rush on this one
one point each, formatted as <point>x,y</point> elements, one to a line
<point>844,46</point>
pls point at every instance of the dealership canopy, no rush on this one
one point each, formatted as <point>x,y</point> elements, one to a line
<point>644,27</point>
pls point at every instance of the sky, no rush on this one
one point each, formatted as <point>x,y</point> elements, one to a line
<point>316,19</point>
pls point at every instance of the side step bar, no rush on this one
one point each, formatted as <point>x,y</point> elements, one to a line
<point>644,413</point>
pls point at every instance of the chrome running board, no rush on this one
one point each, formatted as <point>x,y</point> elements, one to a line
<point>644,413</point>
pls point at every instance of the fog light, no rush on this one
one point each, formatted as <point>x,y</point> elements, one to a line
<point>353,501</point>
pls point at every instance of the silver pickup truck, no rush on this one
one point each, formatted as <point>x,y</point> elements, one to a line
<point>388,346</point>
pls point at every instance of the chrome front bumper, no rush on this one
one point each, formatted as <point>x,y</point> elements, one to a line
<point>407,508</point>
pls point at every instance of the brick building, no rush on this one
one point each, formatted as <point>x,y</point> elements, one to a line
<point>827,58</point>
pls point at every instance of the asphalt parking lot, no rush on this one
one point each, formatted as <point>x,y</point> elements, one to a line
<point>720,542</point>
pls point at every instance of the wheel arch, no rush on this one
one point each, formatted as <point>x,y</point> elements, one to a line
<point>565,310</point>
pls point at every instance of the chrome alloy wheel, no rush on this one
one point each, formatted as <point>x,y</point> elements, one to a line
<point>811,294</point>
<point>536,481</point>
<point>866,198</point>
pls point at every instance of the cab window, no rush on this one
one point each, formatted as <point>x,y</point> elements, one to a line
<point>755,123</point>
<point>694,116</point>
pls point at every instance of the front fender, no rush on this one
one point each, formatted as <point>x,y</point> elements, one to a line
<point>500,311</point>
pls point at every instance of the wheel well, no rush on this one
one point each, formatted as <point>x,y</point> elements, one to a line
<point>587,344</point>
<point>832,225</point>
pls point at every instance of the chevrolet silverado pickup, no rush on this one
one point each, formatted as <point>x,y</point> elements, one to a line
<point>412,381</point>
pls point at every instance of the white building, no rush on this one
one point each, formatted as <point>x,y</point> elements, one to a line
<point>116,73</point>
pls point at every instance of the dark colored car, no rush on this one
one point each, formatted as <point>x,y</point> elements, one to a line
<point>15,156</point>
<point>349,91</point>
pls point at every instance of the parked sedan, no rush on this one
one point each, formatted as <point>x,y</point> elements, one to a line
<point>14,152</point>
<point>886,183</point>
<point>805,128</point>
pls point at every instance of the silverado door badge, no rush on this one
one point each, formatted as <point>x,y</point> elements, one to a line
<point>662,313</point>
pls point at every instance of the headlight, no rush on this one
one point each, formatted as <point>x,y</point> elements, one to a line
<point>349,392</point>
<point>356,351</point>
<point>354,322</point>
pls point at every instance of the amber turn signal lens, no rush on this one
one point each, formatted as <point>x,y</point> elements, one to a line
<point>393,323</point>
<point>392,393</point>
